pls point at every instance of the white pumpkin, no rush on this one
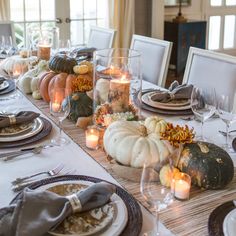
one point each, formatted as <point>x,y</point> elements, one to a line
<point>102,90</point>
<point>129,143</point>
<point>155,124</point>
<point>29,82</point>
<point>36,95</point>
<point>7,65</point>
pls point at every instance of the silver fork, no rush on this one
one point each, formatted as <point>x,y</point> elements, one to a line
<point>52,172</point>
<point>21,186</point>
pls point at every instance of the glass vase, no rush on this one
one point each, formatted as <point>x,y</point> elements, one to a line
<point>117,86</point>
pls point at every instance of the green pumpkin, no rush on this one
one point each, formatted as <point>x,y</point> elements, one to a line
<point>209,166</point>
<point>81,106</point>
<point>62,63</point>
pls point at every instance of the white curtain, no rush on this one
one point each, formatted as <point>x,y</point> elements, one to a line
<point>122,18</point>
<point>4,10</point>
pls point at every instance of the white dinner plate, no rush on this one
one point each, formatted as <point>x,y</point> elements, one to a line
<point>165,106</point>
<point>229,224</point>
<point>4,85</point>
<point>28,132</point>
<point>112,224</point>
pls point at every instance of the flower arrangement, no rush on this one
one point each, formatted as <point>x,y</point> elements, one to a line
<point>82,83</point>
<point>177,135</point>
<point>104,115</point>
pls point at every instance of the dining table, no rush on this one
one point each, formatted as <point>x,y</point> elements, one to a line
<point>188,217</point>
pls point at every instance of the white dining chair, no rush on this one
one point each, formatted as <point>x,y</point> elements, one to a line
<point>7,29</point>
<point>155,57</point>
<point>206,68</point>
<point>101,38</point>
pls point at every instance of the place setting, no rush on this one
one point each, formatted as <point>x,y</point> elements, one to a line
<point>22,128</point>
<point>80,205</point>
<point>174,101</point>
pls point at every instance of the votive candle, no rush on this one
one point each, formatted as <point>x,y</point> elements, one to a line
<point>182,184</point>
<point>92,137</point>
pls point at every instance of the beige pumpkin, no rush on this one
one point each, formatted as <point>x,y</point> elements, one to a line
<point>155,124</point>
<point>129,143</point>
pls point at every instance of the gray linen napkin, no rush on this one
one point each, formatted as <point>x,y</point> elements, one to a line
<point>20,118</point>
<point>38,212</point>
<point>174,92</point>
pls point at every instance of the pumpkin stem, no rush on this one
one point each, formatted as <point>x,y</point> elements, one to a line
<point>143,130</point>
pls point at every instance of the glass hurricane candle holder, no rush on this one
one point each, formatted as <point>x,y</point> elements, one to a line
<point>117,85</point>
<point>181,186</point>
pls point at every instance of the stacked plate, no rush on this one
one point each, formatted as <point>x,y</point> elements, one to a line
<point>17,135</point>
<point>6,86</point>
<point>173,107</point>
<point>121,216</point>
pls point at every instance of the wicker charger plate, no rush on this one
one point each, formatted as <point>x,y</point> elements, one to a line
<point>9,89</point>
<point>47,127</point>
<point>216,219</point>
<point>135,219</point>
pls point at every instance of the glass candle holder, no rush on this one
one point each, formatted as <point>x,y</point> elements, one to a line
<point>92,137</point>
<point>117,86</point>
<point>181,186</point>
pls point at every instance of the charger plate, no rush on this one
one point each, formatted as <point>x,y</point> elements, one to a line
<point>4,85</point>
<point>134,223</point>
<point>9,89</point>
<point>110,219</point>
<point>47,127</point>
<point>176,105</point>
<point>22,132</point>
<point>158,110</point>
<point>217,216</point>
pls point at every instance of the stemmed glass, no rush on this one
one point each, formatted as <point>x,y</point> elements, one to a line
<point>155,187</point>
<point>203,105</point>
<point>227,113</point>
<point>59,108</point>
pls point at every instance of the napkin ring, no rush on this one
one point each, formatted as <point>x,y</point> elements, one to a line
<point>75,202</point>
<point>12,119</point>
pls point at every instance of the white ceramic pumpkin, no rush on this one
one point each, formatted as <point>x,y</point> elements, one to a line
<point>129,143</point>
<point>155,124</point>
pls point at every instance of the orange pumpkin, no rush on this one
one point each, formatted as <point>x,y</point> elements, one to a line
<point>43,89</point>
<point>51,80</point>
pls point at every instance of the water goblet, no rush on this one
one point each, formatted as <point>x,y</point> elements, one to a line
<point>155,187</point>
<point>203,105</point>
<point>60,109</point>
<point>227,114</point>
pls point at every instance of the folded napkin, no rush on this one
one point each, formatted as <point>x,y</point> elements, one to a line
<point>38,212</point>
<point>20,118</point>
<point>174,92</point>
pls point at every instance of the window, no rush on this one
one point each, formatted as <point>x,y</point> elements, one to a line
<point>31,13</point>
<point>72,17</point>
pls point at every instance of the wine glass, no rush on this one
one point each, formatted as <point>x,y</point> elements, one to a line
<point>8,45</point>
<point>227,114</point>
<point>155,187</point>
<point>59,108</point>
<point>203,105</point>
